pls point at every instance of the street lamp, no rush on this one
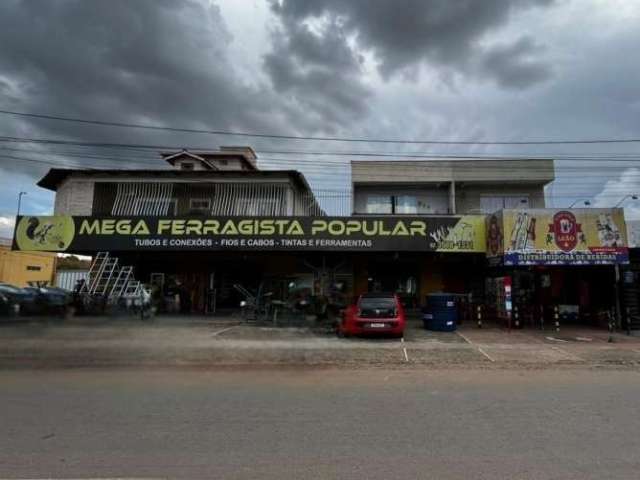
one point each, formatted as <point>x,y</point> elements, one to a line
<point>20,201</point>
<point>586,203</point>
<point>633,197</point>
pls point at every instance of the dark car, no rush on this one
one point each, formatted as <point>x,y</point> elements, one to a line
<point>49,300</point>
<point>6,307</point>
<point>374,313</point>
<point>20,299</point>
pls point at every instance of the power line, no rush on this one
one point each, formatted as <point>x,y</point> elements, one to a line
<point>312,138</point>
<point>347,193</point>
<point>609,157</point>
<point>588,158</point>
<point>45,162</point>
<point>270,162</point>
<point>317,172</point>
<point>462,156</point>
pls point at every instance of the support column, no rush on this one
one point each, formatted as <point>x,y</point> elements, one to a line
<point>452,197</point>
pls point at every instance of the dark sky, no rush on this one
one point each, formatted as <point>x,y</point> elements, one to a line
<point>422,69</point>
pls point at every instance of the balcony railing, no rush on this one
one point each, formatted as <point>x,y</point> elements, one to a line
<point>251,199</point>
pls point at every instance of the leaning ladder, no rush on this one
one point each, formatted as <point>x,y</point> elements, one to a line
<point>134,289</point>
<point>121,282</point>
<point>95,270</point>
<point>101,287</point>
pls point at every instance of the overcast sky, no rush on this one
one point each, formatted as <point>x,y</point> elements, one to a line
<point>421,69</point>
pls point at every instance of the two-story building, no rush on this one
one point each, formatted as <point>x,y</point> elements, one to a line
<point>196,185</point>
<point>211,221</point>
<point>544,258</point>
<point>448,187</point>
<point>438,188</point>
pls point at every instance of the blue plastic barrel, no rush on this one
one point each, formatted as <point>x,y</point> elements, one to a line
<point>441,313</point>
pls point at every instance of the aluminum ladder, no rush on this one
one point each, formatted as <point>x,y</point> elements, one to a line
<point>95,270</point>
<point>133,289</point>
<point>106,276</point>
<point>120,284</point>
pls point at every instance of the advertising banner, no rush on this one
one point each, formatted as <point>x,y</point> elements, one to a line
<point>558,237</point>
<point>91,234</point>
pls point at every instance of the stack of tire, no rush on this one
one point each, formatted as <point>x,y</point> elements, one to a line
<point>441,312</point>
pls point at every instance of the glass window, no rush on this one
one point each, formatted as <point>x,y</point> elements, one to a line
<point>379,204</point>
<point>406,204</point>
<point>493,203</point>
<point>200,204</point>
<point>377,302</point>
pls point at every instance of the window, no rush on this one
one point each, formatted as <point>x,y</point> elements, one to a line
<point>186,166</point>
<point>493,203</point>
<point>200,204</point>
<point>33,268</point>
<point>379,204</point>
<point>405,204</point>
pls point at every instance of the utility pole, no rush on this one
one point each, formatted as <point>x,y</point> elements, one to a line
<point>19,202</point>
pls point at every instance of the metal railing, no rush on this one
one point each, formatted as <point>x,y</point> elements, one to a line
<point>217,199</point>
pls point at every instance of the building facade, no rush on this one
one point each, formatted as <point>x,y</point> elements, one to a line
<point>448,187</point>
<point>214,224</point>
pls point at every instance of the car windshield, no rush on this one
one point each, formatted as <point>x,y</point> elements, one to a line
<point>377,302</point>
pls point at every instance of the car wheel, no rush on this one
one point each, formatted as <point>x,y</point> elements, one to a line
<point>341,333</point>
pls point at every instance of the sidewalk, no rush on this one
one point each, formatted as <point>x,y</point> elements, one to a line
<point>180,341</point>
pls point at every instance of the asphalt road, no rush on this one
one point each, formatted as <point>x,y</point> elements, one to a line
<point>369,424</point>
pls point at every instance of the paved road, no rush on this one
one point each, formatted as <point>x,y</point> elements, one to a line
<point>370,424</point>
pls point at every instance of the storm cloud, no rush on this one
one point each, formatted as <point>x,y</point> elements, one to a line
<point>319,70</point>
<point>133,61</point>
<point>439,33</point>
<point>422,69</point>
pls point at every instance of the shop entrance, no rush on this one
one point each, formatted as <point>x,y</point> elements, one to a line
<point>217,283</point>
<point>397,276</point>
<point>581,295</point>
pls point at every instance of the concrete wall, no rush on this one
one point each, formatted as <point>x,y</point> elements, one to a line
<point>74,197</point>
<point>430,171</point>
<point>228,164</point>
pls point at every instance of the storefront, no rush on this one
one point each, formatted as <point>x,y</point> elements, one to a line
<point>208,262</point>
<point>548,258</point>
<point>544,261</point>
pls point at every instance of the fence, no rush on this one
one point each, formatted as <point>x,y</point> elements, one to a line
<point>67,279</point>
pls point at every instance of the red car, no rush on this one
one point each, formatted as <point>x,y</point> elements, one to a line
<point>373,313</point>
